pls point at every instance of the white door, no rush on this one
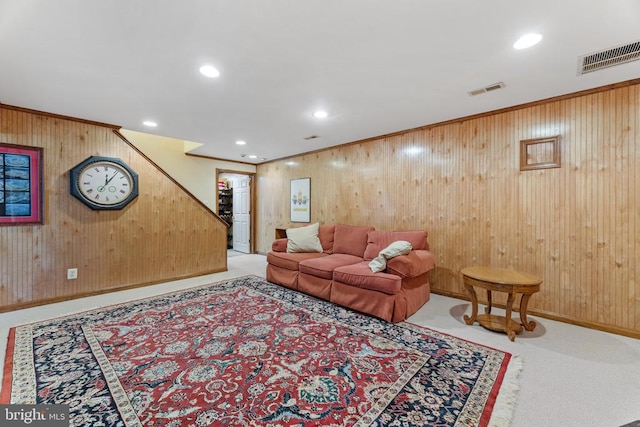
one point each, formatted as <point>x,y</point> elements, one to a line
<point>241,223</point>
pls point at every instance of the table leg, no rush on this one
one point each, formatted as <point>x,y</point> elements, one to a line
<point>474,305</point>
<point>524,302</point>
<point>487,309</point>
<point>510,332</point>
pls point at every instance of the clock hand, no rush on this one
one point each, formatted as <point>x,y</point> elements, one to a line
<point>109,180</point>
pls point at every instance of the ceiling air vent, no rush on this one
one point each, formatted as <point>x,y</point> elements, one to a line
<point>609,58</point>
<point>311,137</point>
<point>486,89</point>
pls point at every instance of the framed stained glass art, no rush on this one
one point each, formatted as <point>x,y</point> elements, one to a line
<point>20,185</point>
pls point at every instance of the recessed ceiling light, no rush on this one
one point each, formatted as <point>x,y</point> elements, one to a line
<point>241,142</point>
<point>150,123</point>
<point>253,157</point>
<point>209,71</point>
<point>527,40</point>
<point>320,114</point>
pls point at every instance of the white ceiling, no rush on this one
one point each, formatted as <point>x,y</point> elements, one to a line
<point>377,67</point>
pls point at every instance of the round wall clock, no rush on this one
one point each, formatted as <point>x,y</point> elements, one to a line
<point>104,183</point>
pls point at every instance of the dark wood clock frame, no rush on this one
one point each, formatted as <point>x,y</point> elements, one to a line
<point>75,185</point>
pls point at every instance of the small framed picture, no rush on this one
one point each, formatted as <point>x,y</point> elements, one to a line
<point>540,153</point>
<point>300,200</point>
<point>20,185</point>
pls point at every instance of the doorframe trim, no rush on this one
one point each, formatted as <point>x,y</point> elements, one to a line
<point>252,197</point>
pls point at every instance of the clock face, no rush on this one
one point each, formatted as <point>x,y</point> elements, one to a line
<point>104,183</point>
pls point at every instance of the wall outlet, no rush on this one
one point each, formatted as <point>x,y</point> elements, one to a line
<point>72,273</point>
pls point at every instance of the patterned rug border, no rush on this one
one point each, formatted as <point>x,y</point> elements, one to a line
<point>498,410</point>
<point>122,402</point>
<point>505,393</point>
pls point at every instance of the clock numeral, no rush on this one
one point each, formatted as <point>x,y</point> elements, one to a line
<point>89,191</point>
<point>97,170</point>
<point>86,183</point>
<point>97,196</point>
<point>122,191</point>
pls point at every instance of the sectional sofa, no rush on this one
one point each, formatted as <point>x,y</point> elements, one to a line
<point>336,269</point>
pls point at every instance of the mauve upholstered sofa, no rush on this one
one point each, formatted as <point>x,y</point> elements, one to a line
<point>341,273</point>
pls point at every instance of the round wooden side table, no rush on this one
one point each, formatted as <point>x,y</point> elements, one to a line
<point>500,280</point>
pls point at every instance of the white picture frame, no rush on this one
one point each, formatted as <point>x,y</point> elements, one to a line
<point>300,200</point>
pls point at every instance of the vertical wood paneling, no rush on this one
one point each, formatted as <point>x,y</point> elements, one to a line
<point>632,284</point>
<point>163,235</point>
<point>575,226</point>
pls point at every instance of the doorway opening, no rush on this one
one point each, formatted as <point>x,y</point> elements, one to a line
<point>235,201</point>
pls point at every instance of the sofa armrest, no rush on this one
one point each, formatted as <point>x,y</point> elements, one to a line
<point>279,245</point>
<point>413,264</point>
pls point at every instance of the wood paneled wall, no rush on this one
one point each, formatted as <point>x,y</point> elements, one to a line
<point>163,235</point>
<point>577,226</point>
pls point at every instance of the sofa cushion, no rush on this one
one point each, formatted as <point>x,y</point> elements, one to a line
<point>351,240</point>
<point>378,240</point>
<point>304,239</point>
<point>290,261</point>
<point>326,234</point>
<point>361,276</point>
<point>323,267</point>
<point>413,264</point>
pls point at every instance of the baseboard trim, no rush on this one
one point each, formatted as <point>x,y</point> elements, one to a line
<point>553,316</point>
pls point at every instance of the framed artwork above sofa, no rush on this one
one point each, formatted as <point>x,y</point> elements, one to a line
<point>300,200</point>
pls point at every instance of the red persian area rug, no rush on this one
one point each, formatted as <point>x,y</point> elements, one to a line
<point>245,352</point>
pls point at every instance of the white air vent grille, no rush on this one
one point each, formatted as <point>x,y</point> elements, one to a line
<point>486,89</point>
<point>609,58</point>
